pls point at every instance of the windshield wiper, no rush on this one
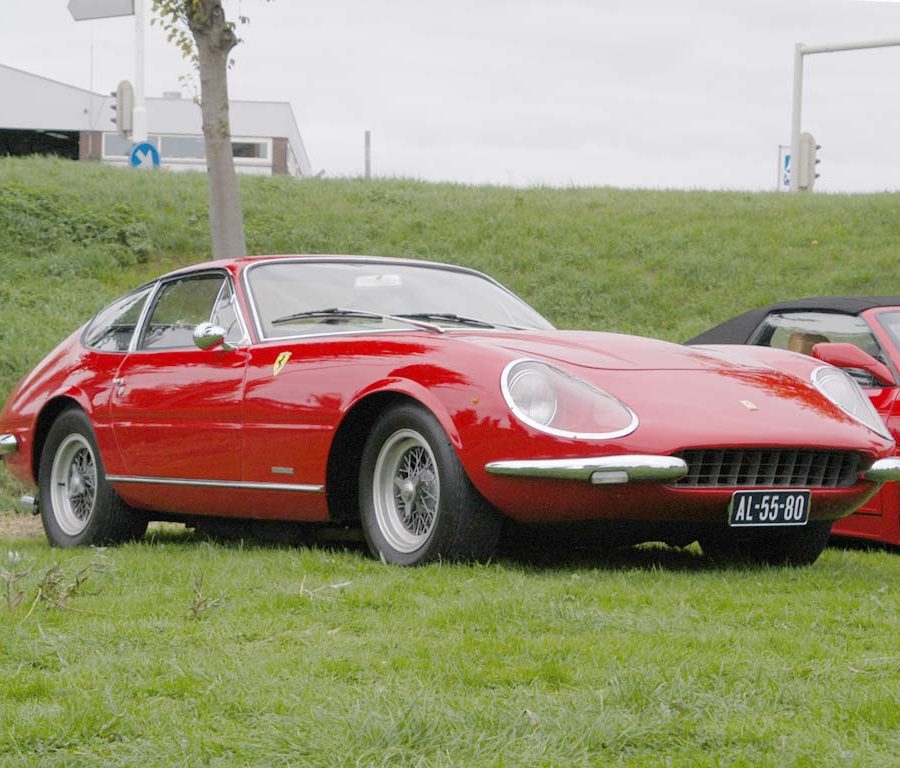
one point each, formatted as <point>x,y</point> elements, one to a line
<point>338,312</point>
<point>461,319</point>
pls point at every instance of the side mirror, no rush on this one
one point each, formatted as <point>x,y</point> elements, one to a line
<point>851,356</point>
<point>209,336</point>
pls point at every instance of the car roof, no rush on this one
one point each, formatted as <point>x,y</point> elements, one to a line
<point>738,329</point>
<point>245,261</point>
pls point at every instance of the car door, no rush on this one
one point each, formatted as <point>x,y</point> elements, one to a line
<point>176,409</point>
<point>885,323</point>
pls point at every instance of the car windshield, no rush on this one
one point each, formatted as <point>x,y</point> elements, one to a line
<point>801,331</point>
<point>294,298</point>
<point>891,323</point>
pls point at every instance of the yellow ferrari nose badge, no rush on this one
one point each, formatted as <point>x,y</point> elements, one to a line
<point>280,362</point>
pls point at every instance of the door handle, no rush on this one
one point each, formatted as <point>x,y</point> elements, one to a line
<point>120,385</point>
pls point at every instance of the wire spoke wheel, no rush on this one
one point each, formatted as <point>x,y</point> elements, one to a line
<point>416,503</point>
<point>73,484</point>
<point>78,506</point>
<point>406,490</point>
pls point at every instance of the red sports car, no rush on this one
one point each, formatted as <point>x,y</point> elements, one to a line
<point>860,334</point>
<point>427,403</point>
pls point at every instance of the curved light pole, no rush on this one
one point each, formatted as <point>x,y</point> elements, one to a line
<point>801,50</point>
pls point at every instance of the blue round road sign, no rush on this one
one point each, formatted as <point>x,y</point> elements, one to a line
<point>144,155</point>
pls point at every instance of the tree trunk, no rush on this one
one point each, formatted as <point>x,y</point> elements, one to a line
<point>215,39</point>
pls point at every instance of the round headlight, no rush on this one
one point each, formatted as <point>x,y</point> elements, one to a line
<point>555,402</point>
<point>845,393</point>
<point>533,395</point>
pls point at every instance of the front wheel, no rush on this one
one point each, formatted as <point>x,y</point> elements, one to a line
<point>78,506</point>
<point>798,546</point>
<point>416,501</point>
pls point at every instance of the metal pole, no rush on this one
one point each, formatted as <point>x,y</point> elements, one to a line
<point>139,124</point>
<point>368,154</point>
<point>801,50</point>
<point>796,107</point>
<point>835,47</point>
<point>778,175</point>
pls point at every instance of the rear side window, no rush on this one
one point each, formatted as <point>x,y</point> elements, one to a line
<point>113,328</point>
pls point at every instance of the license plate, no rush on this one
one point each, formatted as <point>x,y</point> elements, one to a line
<point>764,508</point>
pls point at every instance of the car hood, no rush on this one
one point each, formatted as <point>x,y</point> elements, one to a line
<point>616,351</point>
<point>740,398</point>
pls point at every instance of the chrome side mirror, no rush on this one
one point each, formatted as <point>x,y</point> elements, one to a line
<point>209,336</point>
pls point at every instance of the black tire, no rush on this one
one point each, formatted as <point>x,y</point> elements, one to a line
<point>78,506</point>
<point>430,511</point>
<point>799,546</point>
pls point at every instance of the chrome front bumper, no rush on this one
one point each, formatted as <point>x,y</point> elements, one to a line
<point>8,444</point>
<point>883,471</point>
<point>598,470</point>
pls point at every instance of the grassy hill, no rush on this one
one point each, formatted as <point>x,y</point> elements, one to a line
<point>660,263</point>
<point>179,651</point>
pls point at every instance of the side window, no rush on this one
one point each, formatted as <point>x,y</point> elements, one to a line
<point>180,306</point>
<point>111,330</point>
<point>801,331</point>
<point>225,315</point>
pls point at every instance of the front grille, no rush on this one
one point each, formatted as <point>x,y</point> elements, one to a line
<point>768,468</point>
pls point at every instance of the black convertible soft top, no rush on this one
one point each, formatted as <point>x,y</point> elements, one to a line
<point>738,329</point>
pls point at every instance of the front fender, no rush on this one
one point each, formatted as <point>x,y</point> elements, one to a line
<point>783,360</point>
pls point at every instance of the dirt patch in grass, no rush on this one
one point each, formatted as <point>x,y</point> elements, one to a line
<point>19,526</point>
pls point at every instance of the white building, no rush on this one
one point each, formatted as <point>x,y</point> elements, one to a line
<point>42,116</point>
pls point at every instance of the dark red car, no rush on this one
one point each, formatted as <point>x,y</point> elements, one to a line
<point>858,333</point>
<point>426,403</point>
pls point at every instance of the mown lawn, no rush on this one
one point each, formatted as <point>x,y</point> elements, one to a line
<point>180,651</point>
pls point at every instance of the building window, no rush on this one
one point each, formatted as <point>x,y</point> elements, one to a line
<point>188,150</point>
<point>114,145</point>
<point>258,150</point>
<point>184,147</point>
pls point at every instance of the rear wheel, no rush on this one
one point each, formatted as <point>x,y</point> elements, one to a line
<point>782,546</point>
<point>416,501</point>
<point>78,506</point>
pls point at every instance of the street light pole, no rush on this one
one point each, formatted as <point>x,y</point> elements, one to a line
<point>796,108</point>
<point>801,50</point>
<point>139,125</point>
<point>84,10</point>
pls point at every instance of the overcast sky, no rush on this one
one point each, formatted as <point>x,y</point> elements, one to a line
<point>630,93</point>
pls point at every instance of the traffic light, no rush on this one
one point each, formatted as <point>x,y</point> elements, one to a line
<point>808,162</point>
<point>123,108</point>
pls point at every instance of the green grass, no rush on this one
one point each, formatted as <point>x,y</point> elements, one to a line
<point>318,657</point>
<point>189,653</point>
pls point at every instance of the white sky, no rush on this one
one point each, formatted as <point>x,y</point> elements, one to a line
<point>631,93</point>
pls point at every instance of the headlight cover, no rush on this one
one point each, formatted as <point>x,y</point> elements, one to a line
<point>845,393</point>
<point>553,401</point>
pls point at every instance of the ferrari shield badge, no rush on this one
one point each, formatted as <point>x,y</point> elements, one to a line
<point>280,362</point>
